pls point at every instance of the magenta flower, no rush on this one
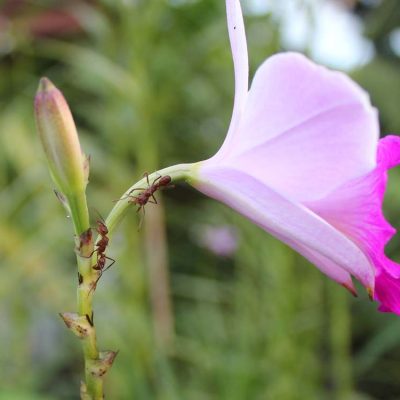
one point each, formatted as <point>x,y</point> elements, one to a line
<point>303,160</point>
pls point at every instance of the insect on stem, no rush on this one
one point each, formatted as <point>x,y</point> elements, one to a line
<point>147,195</point>
<point>100,249</point>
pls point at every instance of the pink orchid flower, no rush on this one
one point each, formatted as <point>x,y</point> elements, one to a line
<point>303,160</point>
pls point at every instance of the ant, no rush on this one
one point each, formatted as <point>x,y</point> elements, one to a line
<point>144,197</point>
<point>147,194</point>
<point>100,249</point>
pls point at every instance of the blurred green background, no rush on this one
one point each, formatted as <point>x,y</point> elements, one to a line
<point>201,304</point>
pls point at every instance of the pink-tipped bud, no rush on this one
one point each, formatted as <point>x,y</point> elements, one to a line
<point>60,140</point>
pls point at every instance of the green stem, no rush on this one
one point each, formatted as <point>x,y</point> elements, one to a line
<point>88,276</point>
<point>79,212</point>
<point>94,384</point>
<point>87,281</point>
<point>180,172</point>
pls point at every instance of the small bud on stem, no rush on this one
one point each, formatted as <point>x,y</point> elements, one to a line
<point>100,367</point>
<point>81,326</point>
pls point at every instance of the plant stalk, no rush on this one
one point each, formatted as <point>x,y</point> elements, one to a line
<point>180,172</point>
<point>82,324</point>
<point>87,277</point>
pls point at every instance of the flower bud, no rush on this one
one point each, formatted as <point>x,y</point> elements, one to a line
<point>68,165</point>
<point>59,138</point>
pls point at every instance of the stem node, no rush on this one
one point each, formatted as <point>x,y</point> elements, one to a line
<point>99,367</point>
<point>79,325</point>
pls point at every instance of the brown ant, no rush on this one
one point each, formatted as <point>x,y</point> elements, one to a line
<point>100,249</point>
<point>147,194</point>
<point>144,197</point>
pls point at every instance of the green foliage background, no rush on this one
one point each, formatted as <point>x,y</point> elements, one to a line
<point>150,84</point>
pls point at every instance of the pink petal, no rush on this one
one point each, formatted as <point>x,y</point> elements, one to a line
<point>355,208</point>
<point>324,264</point>
<point>237,36</point>
<point>305,129</point>
<point>292,223</point>
<point>388,152</point>
<point>387,292</point>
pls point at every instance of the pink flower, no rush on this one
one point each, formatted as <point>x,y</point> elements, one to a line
<point>303,160</point>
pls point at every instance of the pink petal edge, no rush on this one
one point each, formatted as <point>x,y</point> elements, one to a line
<point>355,209</point>
<point>290,222</point>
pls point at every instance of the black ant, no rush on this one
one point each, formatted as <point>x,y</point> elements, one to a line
<point>147,194</point>
<point>100,249</point>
